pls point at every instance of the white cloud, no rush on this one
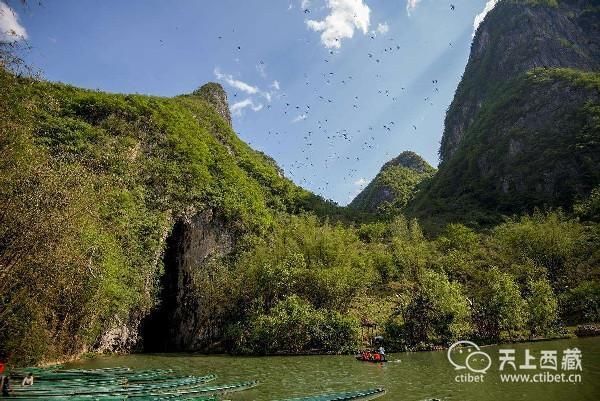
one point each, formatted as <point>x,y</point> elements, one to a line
<point>271,93</point>
<point>237,108</point>
<point>250,102</point>
<point>305,4</point>
<point>10,28</point>
<point>244,87</point>
<point>479,17</point>
<point>361,182</point>
<point>299,118</point>
<point>345,16</point>
<point>411,5</point>
<point>383,28</point>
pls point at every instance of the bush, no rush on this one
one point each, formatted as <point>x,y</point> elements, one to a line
<point>581,304</point>
<point>436,313</point>
<point>324,264</point>
<point>294,326</point>
<point>542,307</point>
<point>498,305</point>
<point>589,208</point>
<point>551,240</point>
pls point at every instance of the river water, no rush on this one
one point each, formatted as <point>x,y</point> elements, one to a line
<point>409,376</point>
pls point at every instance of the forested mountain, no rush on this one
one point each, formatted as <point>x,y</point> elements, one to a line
<point>523,130</point>
<point>394,186</point>
<point>92,185</point>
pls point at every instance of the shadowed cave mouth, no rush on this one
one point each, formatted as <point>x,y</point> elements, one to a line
<point>179,322</point>
<point>157,329</point>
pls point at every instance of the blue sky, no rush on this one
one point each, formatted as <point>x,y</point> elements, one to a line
<point>331,89</point>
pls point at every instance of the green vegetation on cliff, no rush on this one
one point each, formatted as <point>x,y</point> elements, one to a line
<point>522,130</point>
<point>394,186</point>
<point>90,184</point>
<point>535,144</point>
<point>516,37</point>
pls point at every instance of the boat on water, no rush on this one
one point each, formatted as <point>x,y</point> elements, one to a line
<point>371,356</point>
<point>374,343</point>
<point>361,395</point>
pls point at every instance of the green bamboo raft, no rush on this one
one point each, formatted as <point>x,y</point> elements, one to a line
<point>121,383</point>
<point>112,384</point>
<point>361,395</point>
<point>133,388</point>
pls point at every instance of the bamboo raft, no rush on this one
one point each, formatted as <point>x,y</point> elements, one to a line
<point>120,383</point>
<point>361,395</point>
<point>116,384</point>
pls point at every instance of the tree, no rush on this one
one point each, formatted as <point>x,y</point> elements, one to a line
<point>498,305</point>
<point>438,312</point>
<point>589,208</point>
<point>582,303</point>
<point>549,239</point>
<point>542,307</point>
<point>458,237</point>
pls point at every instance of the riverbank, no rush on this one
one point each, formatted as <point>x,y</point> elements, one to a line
<point>571,332</point>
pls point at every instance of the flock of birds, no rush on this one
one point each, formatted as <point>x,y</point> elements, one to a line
<point>319,129</point>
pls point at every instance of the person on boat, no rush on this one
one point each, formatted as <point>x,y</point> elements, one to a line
<point>5,385</point>
<point>28,380</point>
<point>382,351</point>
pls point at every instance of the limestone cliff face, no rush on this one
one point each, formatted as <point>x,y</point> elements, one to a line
<point>537,146</point>
<point>121,337</point>
<point>179,323</point>
<point>522,130</point>
<point>214,94</point>
<point>515,37</point>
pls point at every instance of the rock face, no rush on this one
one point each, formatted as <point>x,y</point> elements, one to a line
<point>515,37</point>
<point>521,133</point>
<point>179,323</point>
<point>214,94</point>
<point>395,184</point>
<point>121,337</point>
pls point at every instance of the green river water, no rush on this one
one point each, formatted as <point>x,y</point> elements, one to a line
<point>409,376</point>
